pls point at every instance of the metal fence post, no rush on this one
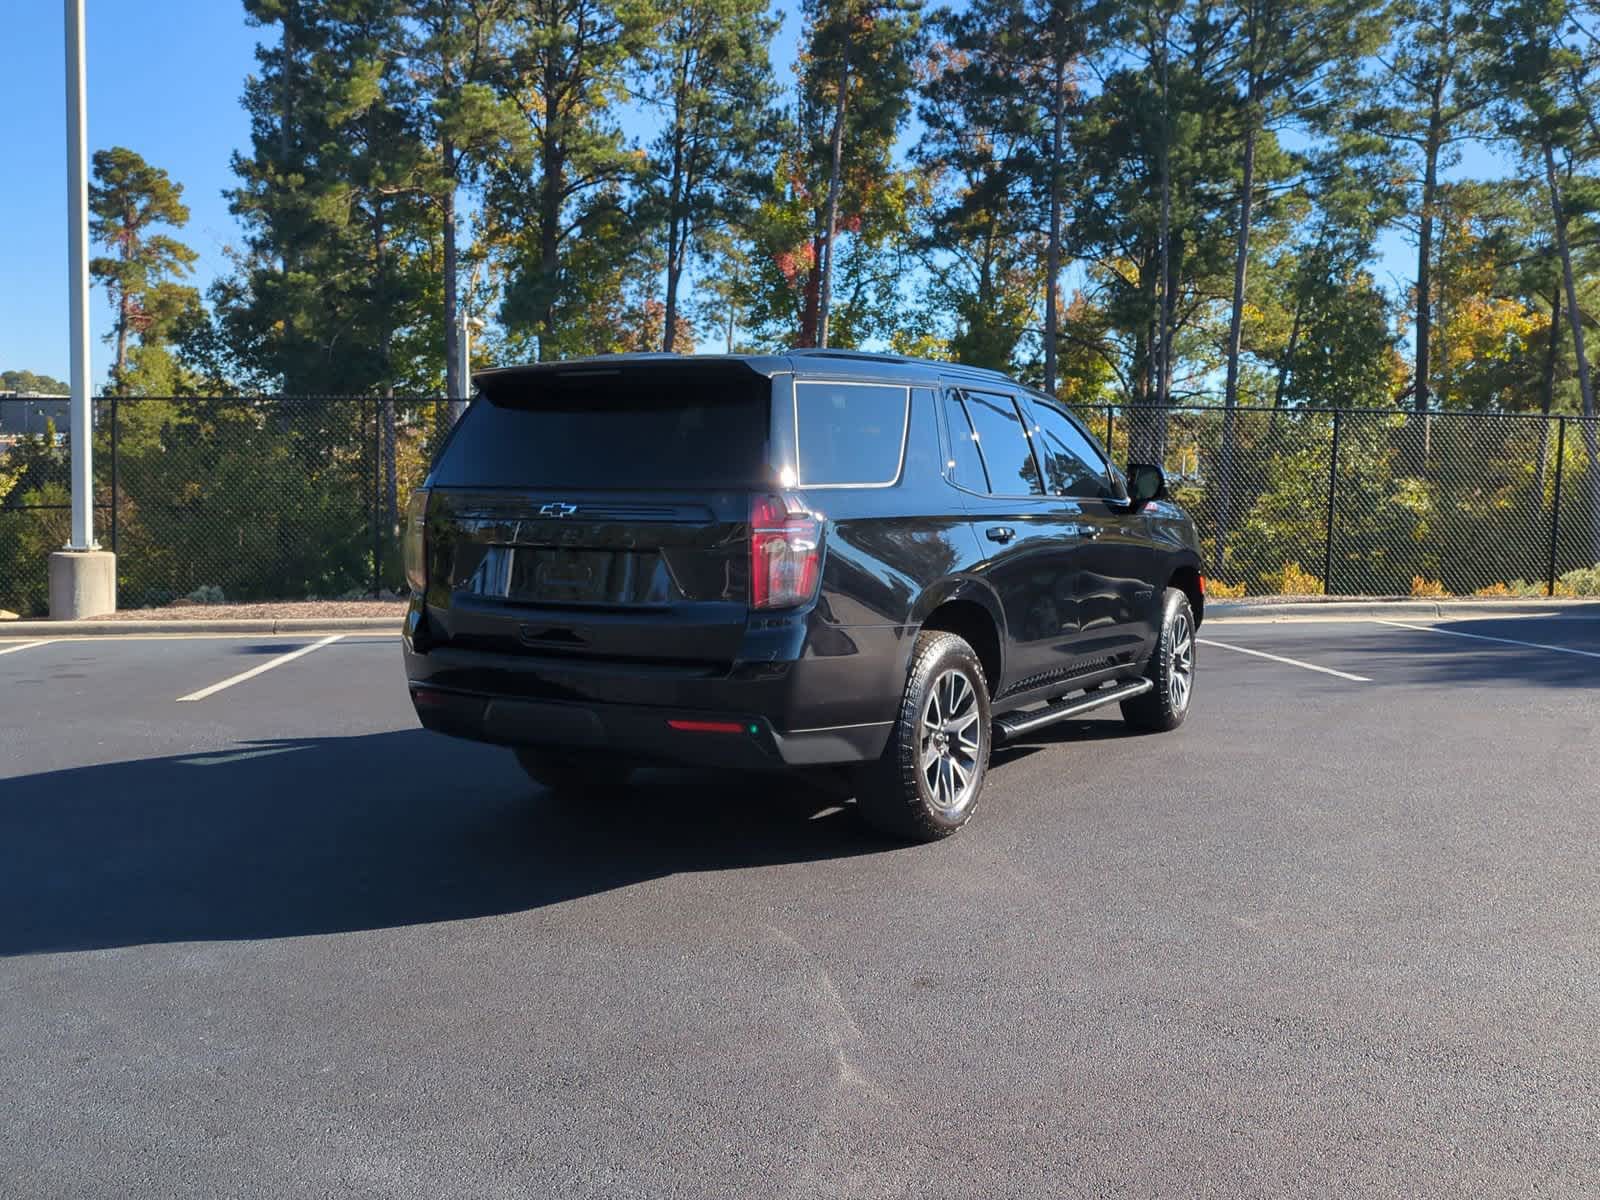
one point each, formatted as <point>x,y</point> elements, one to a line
<point>1555,503</point>
<point>374,513</point>
<point>1111,425</point>
<point>115,445</point>
<point>1333,494</point>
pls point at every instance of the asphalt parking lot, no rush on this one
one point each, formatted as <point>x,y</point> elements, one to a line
<point>1340,934</point>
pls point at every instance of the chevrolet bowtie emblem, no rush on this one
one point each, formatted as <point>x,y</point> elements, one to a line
<point>557,510</point>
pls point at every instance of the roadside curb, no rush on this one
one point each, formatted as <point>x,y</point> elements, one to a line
<point>1236,609</point>
<point>61,629</point>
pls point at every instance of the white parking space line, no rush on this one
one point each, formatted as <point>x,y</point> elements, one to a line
<point>1484,637</point>
<point>24,646</point>
<point>1278,658</point>
<point>261,669</point>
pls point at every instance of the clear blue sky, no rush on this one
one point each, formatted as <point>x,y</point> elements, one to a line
<point>165,77</point>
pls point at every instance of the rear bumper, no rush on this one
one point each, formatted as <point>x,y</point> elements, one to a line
<point>642,734</point>
<point>833,703</point>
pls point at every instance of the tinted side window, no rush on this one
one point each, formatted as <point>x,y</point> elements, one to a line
<point>1072,466</point>
<point>966,464</point>
<point>849,432</point>
<point>1003,442</point>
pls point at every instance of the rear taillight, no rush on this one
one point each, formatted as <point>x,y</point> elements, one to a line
<point>415,549</point>
<point>785,553</point>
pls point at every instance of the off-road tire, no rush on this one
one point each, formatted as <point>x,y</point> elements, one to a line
<point>893,794</point>
<point>1165,705</point>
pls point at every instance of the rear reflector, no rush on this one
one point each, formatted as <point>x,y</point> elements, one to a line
<point>1202,585</point>
<point>709,726</point>
<point>424,698</point>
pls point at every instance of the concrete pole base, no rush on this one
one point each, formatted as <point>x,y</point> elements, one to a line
<point>83,583</point>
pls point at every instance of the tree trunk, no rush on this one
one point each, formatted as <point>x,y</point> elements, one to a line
<point>1430,189</point>
<point>1052,255</point>
<point>1547,388</point>
<point>1591,449</point>
<point>810,297</point>
<point>391,476</point>
<point>1285,367</point>
<point>831,219</point>
<point>1230,398</point>
<point>454,386</point>
<point>676,233</point>
<point>391,463</point>
<point>1166,311</point>
<point>553,167</point>
<point>124,305</point>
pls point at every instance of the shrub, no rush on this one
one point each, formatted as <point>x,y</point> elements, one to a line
<point>1217,590</point>
<point>1293,580</point>
<point>1585,581</point>
<point>1427,587</point>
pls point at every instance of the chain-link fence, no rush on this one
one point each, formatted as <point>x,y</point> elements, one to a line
<point>220,499</point>
<point>278,498</point>
<point>1377,502</point>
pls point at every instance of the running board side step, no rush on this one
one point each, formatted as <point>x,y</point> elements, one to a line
<point>1015,724</point>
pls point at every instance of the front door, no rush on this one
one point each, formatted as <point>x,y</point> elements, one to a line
<point>1116,597</point>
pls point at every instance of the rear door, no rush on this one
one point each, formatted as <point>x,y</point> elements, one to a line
<point>602,513</point>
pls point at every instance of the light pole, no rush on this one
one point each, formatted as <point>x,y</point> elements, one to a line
<point>468,324</point>
<point>78,281</point>
<point>83,579</point>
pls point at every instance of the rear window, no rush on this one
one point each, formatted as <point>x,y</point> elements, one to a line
<point>640,428</point>
<point>849,433</point>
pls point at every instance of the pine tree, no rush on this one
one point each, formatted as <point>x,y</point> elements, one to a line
<point>335,202</point>
<point>127,197</point>
<point>856,77</point>
<point>455,51</point>
<point>570,61</point>
<point>1543,63</point>
<point>997,111</point>
<point>712,82</point>
<point>1283,55</point>
<point>1428,106</point>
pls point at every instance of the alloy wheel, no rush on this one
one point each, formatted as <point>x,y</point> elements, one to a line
<point>1180,665</point>
<point>951,743</point>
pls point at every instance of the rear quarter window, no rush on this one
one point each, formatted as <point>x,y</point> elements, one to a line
<point>849,433</point>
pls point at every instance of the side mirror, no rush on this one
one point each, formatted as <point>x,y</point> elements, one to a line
<point>1145,483</point>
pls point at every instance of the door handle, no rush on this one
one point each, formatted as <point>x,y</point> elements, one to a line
<point>1088,532</point>
<point>1000,533</point>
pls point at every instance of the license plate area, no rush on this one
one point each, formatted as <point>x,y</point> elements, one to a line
<point>564,575</point>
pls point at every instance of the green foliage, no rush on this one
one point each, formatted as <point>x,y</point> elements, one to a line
<point>867,49</point>
<point>336,199</point>
<point>126,198</point>
<point>710,79</point>
<point>27,381</point>
<point>572,60</point>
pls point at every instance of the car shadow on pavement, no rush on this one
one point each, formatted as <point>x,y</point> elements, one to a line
<point>1497,652</point>
<point>323,835</point>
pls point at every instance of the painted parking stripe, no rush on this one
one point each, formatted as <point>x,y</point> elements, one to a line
<point>261,669</point>
<point>24,646</point>
<point>1484,637</point>
<point>1278,658</point>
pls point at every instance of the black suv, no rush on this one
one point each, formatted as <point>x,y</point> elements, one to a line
<point>819,559</point>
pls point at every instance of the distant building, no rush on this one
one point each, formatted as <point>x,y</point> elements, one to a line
<point>25,413</point>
